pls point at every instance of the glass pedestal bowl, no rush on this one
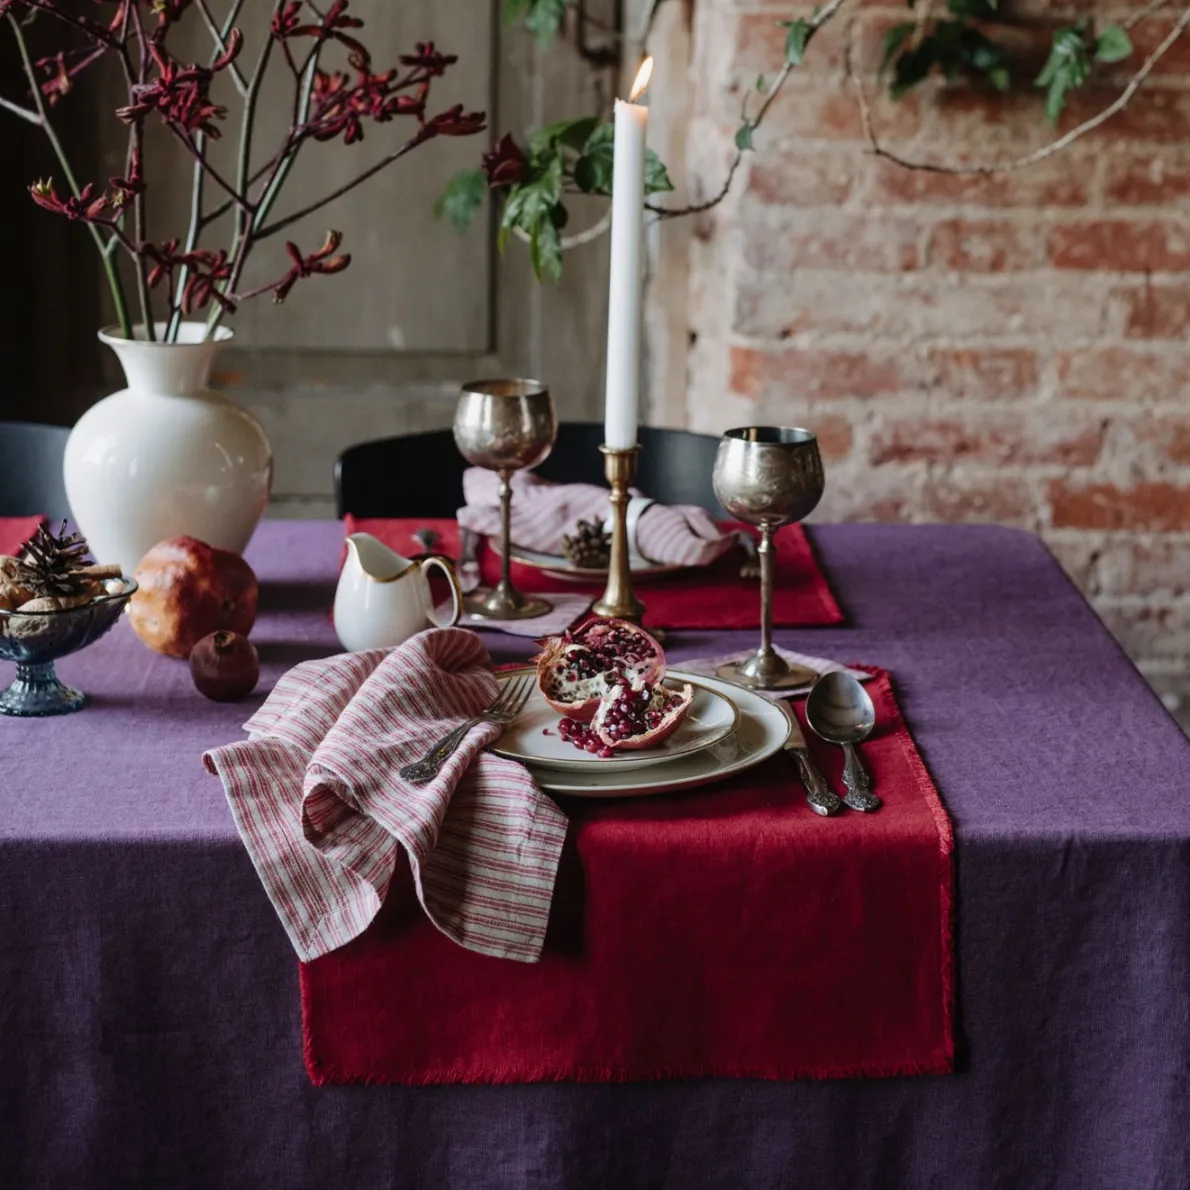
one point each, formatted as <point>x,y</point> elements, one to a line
<point>35,640</point>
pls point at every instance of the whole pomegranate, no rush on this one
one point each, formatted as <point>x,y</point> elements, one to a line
<point>573,669</point>
<point>188,590</point>
<point>224,666</point>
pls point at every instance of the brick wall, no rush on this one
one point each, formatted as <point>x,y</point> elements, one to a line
<point>1012,348</point>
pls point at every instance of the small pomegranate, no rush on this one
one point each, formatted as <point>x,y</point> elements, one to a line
<point>571,668</point>
<point>224,666</point>
<point>639,714</point>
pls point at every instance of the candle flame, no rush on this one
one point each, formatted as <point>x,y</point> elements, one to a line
<point>642,78</point>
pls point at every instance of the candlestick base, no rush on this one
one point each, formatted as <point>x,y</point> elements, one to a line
<point>505,603</point>
<point>768,671</point>
<point>619,599</point>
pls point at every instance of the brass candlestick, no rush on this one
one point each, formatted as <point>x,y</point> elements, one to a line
<point>619,466</point>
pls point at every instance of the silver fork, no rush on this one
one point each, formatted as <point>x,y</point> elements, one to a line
<point>507,706</point>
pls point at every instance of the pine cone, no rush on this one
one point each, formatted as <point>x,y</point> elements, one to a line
<point>51,563</point>
<point>591,546</point>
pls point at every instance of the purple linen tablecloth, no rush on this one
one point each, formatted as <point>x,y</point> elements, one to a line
<point>149,1017</point>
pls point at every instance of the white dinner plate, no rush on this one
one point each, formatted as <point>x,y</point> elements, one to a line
<point>763,729</point>
<point>557,566</point>
<point>533,739</point>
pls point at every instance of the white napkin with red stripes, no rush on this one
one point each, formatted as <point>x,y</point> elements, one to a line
<point>316,795</point>
<point>543,512</point>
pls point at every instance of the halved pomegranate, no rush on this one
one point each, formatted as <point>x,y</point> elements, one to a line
<point>573,669</point>
<point>639,714</point>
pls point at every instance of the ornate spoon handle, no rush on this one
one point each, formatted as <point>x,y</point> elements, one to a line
<point>819,795</point>
<point>428,767</point>
<point>858,784</point>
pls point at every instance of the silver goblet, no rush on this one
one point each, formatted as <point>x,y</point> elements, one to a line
<point>768,476</point>
<point>505,426</point>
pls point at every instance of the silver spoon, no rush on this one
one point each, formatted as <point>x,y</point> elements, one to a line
<point>840,711</point>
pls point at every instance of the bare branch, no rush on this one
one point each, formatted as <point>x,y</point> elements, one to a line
<point>1013,163</point>
<point>221,45</point>
<point>1143,14</point>
<point>318,204</point>
<point>816,22</point>
<point>109,268</point>
<point>199,156</point>
<point>17,110</point>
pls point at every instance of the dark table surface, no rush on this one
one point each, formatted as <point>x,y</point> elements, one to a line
<point>149,1016</point>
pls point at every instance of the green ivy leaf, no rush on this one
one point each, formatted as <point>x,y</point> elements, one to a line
<point>656,175</point>
<point>463,196</point>
<point>761,83</point>
<point>978,9</point>
<point>545,250</point>
<point>1066,69</point>
<point>913,67</point>
<point>797,36</point>
<point>893,40</point>
<point>543,18</point>
<point>532,201</point>
<point>1113,45</point>
<point>588,177</point>
<point>1000,78</point>
<point>594,169</point>
<point>954,47</point>
<point>571,133</point>
<point>743,137</point>
<point>514,10</point>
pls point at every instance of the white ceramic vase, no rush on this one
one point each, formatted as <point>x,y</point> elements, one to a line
<point>166,456</point>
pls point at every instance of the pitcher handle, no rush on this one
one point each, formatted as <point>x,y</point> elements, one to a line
<point>456,592</point>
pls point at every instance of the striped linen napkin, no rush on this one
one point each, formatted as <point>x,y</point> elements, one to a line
<point>317,798</point>
<point>542,512</point>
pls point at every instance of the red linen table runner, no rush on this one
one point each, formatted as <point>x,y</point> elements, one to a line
<point>725,932</point>
<point>15,531</point>
<point>719,598</point>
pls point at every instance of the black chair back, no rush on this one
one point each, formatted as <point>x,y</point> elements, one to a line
<point>422,474</point>
<point>31,470</point>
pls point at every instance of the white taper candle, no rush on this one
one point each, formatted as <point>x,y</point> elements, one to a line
<point>624,316</point>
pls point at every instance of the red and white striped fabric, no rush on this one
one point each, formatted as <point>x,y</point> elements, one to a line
<point>677,534</point>
<point>317,798</point>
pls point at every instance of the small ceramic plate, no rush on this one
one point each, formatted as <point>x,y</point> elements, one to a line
<point>764,728</point>
<point>533,739</point>
<point>556,565</point>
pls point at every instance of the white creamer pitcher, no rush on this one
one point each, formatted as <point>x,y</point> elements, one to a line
<point>383,599</point>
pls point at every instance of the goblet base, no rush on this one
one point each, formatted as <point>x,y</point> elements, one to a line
<point>37,692</point>
<point>766,671</point>
<point>505,604</point>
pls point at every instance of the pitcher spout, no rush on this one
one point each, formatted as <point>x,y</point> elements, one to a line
<point>375,560</point>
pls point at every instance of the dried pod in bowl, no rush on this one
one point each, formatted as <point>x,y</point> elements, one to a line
<point>54,603</point>
<point>14,582</point>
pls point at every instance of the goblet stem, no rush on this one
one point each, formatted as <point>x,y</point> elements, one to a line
<point>506,530</point>
<point>767,551</point>
<point>504,601</point>
<point>766,669</point>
